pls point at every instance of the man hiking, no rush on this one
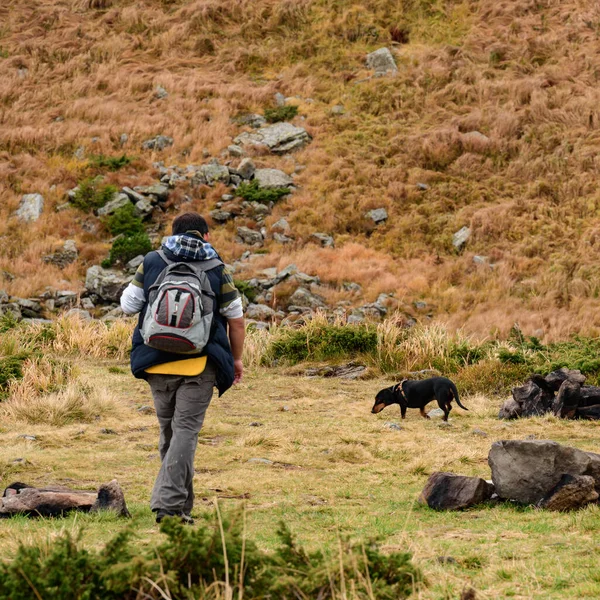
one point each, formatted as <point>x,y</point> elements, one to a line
<point>189,338</point>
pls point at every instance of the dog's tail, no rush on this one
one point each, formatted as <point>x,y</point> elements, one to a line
<point>455,393</point>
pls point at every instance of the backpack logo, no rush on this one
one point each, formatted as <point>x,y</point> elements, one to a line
<point>180,308</point>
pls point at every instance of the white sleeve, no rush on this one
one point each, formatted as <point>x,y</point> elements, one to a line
<point>133,299</point>
<point>233,310</point>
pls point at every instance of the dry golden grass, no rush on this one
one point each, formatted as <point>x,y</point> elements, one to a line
<point>522,73</point>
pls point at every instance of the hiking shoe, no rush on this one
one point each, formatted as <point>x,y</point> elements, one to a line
<point>185,519</point>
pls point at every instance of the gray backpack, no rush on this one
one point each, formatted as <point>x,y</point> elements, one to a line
<point>180,307</point>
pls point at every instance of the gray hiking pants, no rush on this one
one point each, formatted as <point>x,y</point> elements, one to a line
<point>181,404</point>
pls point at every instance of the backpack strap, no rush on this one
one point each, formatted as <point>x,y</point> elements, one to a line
<point>199,265</point>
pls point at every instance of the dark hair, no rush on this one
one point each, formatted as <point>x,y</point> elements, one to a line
<point>189,222</point>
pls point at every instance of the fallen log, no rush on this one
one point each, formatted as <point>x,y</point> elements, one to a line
<point>54,501</point>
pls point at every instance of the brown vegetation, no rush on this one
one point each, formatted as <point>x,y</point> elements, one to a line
<point>522,73</point>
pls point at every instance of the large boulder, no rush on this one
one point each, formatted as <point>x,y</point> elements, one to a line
<point>571,492</point>
<point>212,173</point>
<point>250,236</point>
<point>30,207</point>
<point>527,470</point>
<point>107,284</point>
<point>279,137</point>
<point>447,491</point>
<point>306,299</point>
<point>112,206</point>
<point>259,312</point>
<point>269,179</point>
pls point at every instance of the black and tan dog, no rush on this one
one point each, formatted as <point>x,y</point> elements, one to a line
<point>417,394</point>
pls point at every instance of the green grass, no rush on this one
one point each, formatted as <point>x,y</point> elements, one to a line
<point>251,192</point>
<point>281,113</point>
<point>337,471</point>
<point>109,163</point>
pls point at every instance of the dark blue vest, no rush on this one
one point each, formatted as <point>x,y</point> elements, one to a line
<point>218,349</point>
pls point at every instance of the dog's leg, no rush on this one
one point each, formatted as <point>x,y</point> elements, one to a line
<point>422,410</point>
<point>447,410</point>
<point>403,411</point>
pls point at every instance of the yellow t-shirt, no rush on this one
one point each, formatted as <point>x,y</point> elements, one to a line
<point>188,367</point>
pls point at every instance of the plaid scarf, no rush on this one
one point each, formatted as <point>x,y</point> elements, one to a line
<point>190,247</point>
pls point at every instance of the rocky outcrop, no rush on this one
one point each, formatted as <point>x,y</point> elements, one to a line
<point>30,208</point>
<point>119,201</point>
<point>107,284</point>
<point>279,138</point>
<point>270,179</point>
<point>528,470</point>
<point>447,491</point>
<point>460,238</point>
<point>65,256</point>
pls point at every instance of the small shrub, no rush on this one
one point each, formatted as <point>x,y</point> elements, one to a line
<point>127,247</point>
<point>8,321</point>
<point>112,163</point>
<point>125,221</point>
<point>246,289</point>
<point>11,368</point>
<point>281,113</point>
<point>324,342</point>
<point>252,192</point>
<point>91,194</point>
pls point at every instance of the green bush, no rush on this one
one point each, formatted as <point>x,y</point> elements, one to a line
<point>11,367</point>
<point>325,342</point>
<point>125,221</point>
<point>192,559</point>
<point>244,288</point>
<point>92,194</point>
<point>125,248</point>
<point>112,163</point>
<point>252,192</point>
<point>281,113</point>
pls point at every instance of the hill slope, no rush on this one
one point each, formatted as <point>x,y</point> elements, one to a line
<point>524,74</point>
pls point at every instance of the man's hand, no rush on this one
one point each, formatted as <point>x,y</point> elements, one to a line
<point>238,368</point>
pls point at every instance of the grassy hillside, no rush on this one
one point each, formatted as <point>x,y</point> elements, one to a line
<point>524,74</point>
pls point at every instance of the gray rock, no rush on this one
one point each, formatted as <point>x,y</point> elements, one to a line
<point>158,190</point>
<point>527,470</point>
<point>213,173</point>
<point>246,168</point>
<point>249,236</point>
<point>435,413</point>
<point>227,197</point>
<point>65,298</point>
<point>571,492</point>
<point>338,109</point>
<point>475,138</point>
<point>382,62</point>
<point>107,284</point>
<point>352,287</point>
<point>160,142</point>
<point>30,208</point>
<point>144,208</point>
<point>282,239</point>
<point>270,179</point>
<point>420,305</point>
<point>481,260</point>
<point>511,409</point>
<point>112,206</point>
<point>123,139</point>
<point>87,304</point>
<point>378,215</point>
<point>422,186</point>
<point>160,93</point>
<point>460,238</point>
<point>480,433</point>
<point>235,151</point>
<point>135,262</point>
<point>288,271</point>
<point>11,308</point>
<point>279,138</point>
<point>79,153</point>
<point>29,308</point>
<point>282,226</point>
<point>259,312</point>
<point>325,240</point>
<point>304,298</point>
<point>392,426</point>
<point>80,313</point>
<point>133,195</point>
<point>3,297</point>
<point>220,216</point>
<point>279,99</point>
<point>65,256</point>
<point>447,491</point>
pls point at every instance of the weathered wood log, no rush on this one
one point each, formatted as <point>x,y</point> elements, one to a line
<point>21,499</point>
